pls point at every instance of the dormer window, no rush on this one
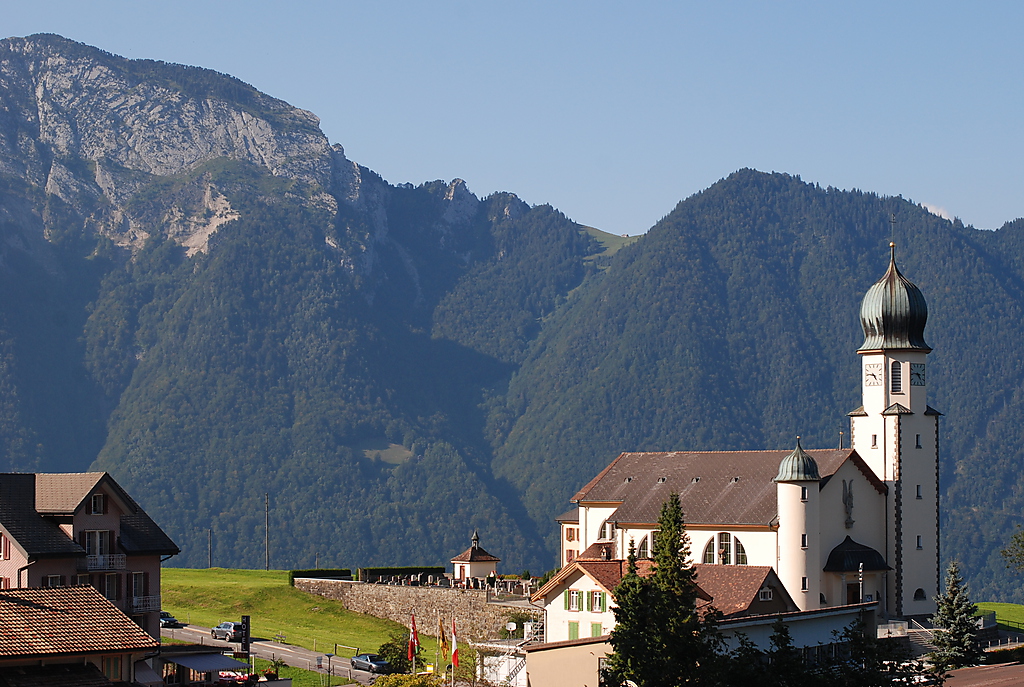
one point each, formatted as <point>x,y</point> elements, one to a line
<point>98,504</point>
<point>896,377</point>
<point>765,594</point>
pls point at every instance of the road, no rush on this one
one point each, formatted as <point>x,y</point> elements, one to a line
<point>296,656</point>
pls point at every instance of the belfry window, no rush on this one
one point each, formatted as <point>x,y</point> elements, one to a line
<point>918,441</point>
<point>919,595</point>
<point>896,377</point>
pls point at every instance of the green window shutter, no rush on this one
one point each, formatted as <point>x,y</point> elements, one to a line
<point>567,599</point>
<point>595,629</point>
<point>604,601</point>
<point>590,595</point>
<point>574,630</point>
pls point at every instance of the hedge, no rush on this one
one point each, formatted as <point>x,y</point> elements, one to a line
<point>319,573</point>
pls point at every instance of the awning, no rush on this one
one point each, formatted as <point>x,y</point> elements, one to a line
<point>205,663</point>
<point>849,555</point>
<point>145,675</point>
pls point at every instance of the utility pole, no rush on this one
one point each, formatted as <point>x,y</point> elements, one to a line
<point>267,540</point>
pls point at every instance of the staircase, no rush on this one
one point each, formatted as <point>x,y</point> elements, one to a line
<point>921,639</point>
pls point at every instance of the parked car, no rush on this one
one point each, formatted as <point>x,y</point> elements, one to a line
<point>168,620</point>
<point>370,662</point>
<point>229,632</point>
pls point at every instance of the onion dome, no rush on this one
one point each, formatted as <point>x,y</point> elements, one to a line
<point>893,313</point>
<point>798,466</point>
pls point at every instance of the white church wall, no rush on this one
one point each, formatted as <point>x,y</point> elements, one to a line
<point>591,520</point>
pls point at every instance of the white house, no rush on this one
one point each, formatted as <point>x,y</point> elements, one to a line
<point>474,562</point>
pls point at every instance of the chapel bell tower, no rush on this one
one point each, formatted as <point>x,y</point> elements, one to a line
<point>897,434</point>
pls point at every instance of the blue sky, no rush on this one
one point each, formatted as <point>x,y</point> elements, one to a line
<point>613,112</point>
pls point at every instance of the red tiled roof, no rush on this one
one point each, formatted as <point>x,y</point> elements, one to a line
<point>715,487</point>
<point>65,621</point>
<point>734,587</point>
<point>475,554</point>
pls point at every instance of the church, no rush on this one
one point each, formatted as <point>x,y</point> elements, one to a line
<point>839,527</point>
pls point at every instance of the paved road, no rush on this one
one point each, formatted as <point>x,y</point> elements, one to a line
<point>293,655</point>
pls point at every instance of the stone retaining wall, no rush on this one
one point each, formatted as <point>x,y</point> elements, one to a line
<point>474,617</point>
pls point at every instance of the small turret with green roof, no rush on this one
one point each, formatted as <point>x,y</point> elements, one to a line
<point>798,466</point>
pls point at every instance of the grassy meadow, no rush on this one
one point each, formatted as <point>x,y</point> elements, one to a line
<point>209,597</point>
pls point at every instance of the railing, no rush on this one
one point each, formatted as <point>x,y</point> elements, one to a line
<point>107,561</point>
<point>144,604</point>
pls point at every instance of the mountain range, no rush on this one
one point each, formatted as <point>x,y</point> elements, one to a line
<point>206,298</point>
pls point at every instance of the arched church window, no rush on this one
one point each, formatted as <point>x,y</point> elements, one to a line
<point>896,377</point>
<point>642,552</point>
<point>919,595</point>
<point>728,549</point>
<point>709,552</point>
<point>741,553</point>
<point>724,548</point>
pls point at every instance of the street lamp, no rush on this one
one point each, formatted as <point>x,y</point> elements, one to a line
<point>330,671</point>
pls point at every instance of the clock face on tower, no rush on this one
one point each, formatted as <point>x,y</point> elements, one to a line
<point>916,374</point>
<point>873,374</point>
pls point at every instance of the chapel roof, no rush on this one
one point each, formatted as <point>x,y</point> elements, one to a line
<point>475,554</point>
<point>715,487</point>
<point>893,313</point>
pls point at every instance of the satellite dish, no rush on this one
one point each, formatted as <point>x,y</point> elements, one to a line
<point>510,626</point>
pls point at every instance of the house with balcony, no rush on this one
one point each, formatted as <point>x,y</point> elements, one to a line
<point>62,530</point>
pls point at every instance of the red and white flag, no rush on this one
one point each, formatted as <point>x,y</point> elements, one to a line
<point>414,638</point>
<point>455,647</point>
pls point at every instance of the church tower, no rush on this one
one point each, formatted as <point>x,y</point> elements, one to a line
<point>897,434</point>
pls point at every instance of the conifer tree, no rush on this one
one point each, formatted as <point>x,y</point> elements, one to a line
<point>957,640</point>
<point>659,638</point>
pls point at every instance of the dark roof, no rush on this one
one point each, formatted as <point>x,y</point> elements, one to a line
<point>583,641</point>
<point>598,551</point>
<point>569,516</point>
<point>858,412</point>
<point>798,466</point>
<point>61,675</point>
<point>475,554</point>
<point>733,588</point>
<point>897,409</point>
<point>848,556</point>
<point>37,536</point>
<point>65,621</point>
<point>734,487</point>
<point>932,411</point>
<point>893,313</point>
<point>140,535</point>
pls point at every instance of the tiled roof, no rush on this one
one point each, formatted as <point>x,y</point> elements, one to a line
<point>569,516</point>
<point>734,587</point>
<point>715,487</point>
<point>605,573</point>
<point>65,621</point>
<point>64,492</point>
<point>140,535</point>
<point>37,536</point>
<point>475,554</point>
<point>62,675</point>
<point>598,551</point>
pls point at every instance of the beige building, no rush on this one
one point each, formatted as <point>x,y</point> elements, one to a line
<point>474,562</point>
<point>62,530</point>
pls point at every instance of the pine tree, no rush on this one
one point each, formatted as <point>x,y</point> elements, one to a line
<point>957,640</point>
<point>660,639</point>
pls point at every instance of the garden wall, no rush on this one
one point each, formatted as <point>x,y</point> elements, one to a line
<point>475,618</point>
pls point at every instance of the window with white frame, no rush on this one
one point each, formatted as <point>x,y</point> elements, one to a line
<point>765,594</point>
<point>53,580</point>
<point>98,504</point>
<point>573,598</point>
<point>111,586</point>
<point>597,602</point>
<point>97,542</point>
<point>643,552</point>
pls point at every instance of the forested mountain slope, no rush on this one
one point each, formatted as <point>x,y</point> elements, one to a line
<point>204,297</point>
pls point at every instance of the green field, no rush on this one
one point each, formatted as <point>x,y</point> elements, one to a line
<point>1004,612</point>
<point>209,597</point>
